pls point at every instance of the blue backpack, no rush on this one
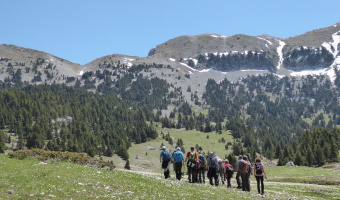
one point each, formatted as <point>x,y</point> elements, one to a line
<point>178,156</point>
<point>201,160</point>
<point>166,156</point>
<point>213,163</point>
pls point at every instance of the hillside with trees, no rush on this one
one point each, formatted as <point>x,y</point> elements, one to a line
<point>61,118</point>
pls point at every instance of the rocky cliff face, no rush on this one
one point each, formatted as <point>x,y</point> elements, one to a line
<point>312,50</point>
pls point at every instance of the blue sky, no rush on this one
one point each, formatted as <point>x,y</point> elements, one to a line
<point>81,31</point>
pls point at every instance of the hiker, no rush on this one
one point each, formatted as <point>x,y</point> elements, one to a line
<point>250,172</point>
<point>259,174</point>
<point>221,169</point>
<point>191,160</point>
<point>178,159</point>
<point>228,171</point>
<point>238,173</point>
<point>245,169</point>
<point>202,165</point>
<point>165,158</point>
<point>172,158</point>
<point>213,169</point>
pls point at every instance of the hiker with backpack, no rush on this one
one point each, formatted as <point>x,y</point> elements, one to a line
<point>220,163</point>
<point>191,160</point>
<point>164,159</point>
<point>248,171</point>
<point>178,158</point>
<point>245,170</point>
<point>259,174</point>
<point>238,173</point>
<point>202,164</point>
<point>213,169</point>
<point>228,171</point>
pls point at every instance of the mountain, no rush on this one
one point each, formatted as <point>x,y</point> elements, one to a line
<point>314,50</point>
<point>252,87</point>
<point>32,61</point>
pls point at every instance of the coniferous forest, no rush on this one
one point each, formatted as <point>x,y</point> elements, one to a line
<point>289,119</point>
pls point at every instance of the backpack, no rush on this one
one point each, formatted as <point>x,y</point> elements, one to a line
<point>192,156</point>
<point>244,167</point>
<point>201,160</point>
<point>191,160</point>
<point>166,156</point>
<point>213,163</point>
<point>177,156</point>
<point>230,169</point>
<point>258,168</point>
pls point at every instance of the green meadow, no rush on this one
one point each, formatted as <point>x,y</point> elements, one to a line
<point>30,178</point>
<point>145,157</point>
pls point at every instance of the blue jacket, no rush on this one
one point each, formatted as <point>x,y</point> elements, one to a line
<point>178,156</point>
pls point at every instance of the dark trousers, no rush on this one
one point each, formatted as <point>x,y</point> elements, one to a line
<point>192,174</point>
<point>259,179</point>
<point>228,182</point>
<point>213,175</point>
<point>238,180</point>
<point>165,165</point>
<point>221,174</point>
<point>201,175</point>
<point>178,170</point>
<point>228,177</point>
<point>245,182</point>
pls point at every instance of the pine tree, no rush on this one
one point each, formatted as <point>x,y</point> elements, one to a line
<point>298,160</point>
<point>319,156</point>
<point>2,141</point>
<point>127,165</point>
<point>270,155</point>
<point>9,139</point>
<point>278,151</point>
<point>310,157</point>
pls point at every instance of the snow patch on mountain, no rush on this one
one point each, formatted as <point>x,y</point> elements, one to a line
<point>195,60</point>
<point>205,70</point>
<point>269,42</point>
<point>279,52</point>
<point>127,61</point>
<point>219,36</point>
<point>172,59</point>
<point>332,47</point>
<point>185,65</point>
<point>317,72</point>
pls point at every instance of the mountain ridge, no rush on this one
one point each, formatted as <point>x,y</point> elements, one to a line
<point>316,49</point>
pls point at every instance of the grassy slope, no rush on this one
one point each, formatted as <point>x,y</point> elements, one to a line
<point>150,162</point>
<point>27,179</point>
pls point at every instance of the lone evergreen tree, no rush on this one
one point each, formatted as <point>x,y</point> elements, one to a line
<point>2,142</point>
<point>127,165</point>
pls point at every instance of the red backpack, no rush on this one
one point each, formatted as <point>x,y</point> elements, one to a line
<point>244,167</point>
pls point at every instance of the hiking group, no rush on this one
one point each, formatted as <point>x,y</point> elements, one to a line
<point>217,169</point>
